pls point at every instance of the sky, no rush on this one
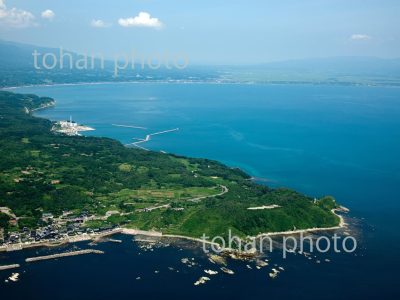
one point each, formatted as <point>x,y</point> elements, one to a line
<point>208,31</point>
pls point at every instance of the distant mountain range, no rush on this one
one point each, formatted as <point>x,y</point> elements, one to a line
<point>17,68</point>
<point>16,55</point>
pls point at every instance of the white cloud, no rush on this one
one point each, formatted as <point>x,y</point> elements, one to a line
<point>142,20</point>
<point>360,37</point>
<point>48,14</point>
<point>99,24</point>
<point>15,17</point>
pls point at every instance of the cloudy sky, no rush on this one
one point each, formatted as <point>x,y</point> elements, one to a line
<point>208,31</point>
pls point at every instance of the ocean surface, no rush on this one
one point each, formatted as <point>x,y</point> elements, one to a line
<point>320,140</point>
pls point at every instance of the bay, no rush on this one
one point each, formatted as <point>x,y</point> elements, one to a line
<point>319,139</point>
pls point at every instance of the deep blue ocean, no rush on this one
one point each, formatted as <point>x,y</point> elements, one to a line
<point>321,140</point>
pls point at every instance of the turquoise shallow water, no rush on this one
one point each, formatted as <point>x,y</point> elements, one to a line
<point>343,141</point>
<point>334,140</point>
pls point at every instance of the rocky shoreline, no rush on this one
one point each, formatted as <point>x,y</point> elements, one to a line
<point>156,234</point>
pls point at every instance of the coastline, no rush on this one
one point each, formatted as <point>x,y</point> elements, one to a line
<point>185,81</point>
<point>162,81</point>
<point>44,106</point>
<point>157,234</point>
<point>70,240</point>
<point>134,232</point>
<point>342,224</point>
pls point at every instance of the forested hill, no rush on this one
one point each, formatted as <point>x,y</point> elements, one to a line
<point>45,172</point>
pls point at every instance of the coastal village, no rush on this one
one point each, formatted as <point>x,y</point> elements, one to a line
<point>68,227</point>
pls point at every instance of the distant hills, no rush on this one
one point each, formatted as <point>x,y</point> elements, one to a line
<point>15,55</point>
<point>17,68</point>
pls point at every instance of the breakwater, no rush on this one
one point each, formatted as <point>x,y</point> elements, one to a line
<point>9,267</point>
<point>65,254</point>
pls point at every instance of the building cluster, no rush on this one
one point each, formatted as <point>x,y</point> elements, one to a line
<point>54,229</point>
<point>70,127</point>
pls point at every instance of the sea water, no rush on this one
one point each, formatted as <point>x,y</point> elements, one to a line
<point>318,139</point>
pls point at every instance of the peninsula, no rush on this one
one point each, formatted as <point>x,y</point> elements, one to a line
<point>55,187</point>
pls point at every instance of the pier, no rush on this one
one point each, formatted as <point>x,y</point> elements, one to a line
<point>66,254</point>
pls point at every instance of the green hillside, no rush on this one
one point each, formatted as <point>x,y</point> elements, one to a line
<point>45,172</point>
